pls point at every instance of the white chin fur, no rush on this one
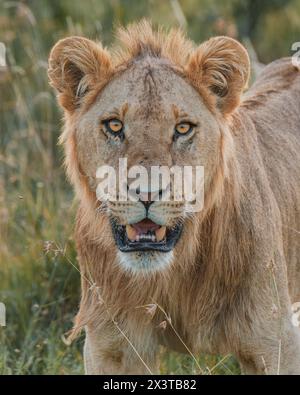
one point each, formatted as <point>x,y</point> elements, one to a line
<point>147,261</point>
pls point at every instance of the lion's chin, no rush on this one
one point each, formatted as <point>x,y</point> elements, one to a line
<point>139,262</point>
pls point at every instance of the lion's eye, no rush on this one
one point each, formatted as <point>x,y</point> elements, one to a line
<point>183,128</point>
<point>114,126</point>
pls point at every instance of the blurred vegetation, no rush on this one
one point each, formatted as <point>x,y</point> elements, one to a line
<point>41,288</point>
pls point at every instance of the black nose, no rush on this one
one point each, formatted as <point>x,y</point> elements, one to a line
<point>145,198</point>
<point>147,203</point>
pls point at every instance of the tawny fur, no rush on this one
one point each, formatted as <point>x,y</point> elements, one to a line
<point>236,268</point>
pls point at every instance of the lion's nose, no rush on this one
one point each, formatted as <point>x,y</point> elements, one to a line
<point>147,198</point>
<point>147,203</point>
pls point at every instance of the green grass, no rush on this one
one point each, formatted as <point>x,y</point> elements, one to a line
<point>41,290</point>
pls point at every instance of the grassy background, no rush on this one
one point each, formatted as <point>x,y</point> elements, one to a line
<point>41,287</point>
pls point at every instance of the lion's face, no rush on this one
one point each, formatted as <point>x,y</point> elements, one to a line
<point>136,116</point>
<point>153,113</point>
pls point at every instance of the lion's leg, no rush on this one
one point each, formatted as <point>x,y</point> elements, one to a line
<point>266,341</point>
<point>107,351</point>
<point>270,353</point>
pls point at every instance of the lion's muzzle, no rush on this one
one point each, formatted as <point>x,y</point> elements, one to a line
<point>145,235</point>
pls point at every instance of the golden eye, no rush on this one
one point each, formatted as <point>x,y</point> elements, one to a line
<point>114,125</point>
<point>183,127</point>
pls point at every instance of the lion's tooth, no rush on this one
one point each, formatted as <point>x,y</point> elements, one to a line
<point>131,232</point>
<point>160,233</point>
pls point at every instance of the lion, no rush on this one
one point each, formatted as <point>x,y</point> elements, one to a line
<point>221,280</point>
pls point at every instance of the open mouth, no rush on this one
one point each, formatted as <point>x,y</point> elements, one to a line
<point>145,235</point>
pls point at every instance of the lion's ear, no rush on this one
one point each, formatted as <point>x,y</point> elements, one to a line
<point>222,65</point>
<point>76,64</point>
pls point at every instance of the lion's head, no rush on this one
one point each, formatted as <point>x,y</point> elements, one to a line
<point>156,100</point>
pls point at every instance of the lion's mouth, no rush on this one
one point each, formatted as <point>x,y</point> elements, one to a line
<point>145,235</point>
